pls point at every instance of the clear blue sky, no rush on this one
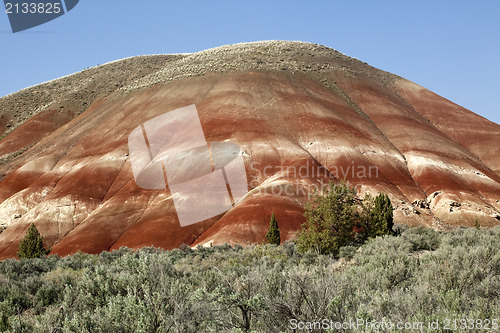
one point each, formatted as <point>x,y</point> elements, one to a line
<point>450,47</point>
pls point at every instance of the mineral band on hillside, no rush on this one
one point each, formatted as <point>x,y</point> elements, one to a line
<point>65,166</point>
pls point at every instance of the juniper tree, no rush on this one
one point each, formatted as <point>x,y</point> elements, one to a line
<point>382,219</point>
<point>31,246</point>
<point>273,234</point>
<point>338,218</point>
<point>331,220</point>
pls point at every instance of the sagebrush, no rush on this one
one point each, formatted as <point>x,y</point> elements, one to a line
<point>422,275</point>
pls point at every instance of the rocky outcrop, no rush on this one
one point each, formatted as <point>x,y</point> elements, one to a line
<point>302,115</point>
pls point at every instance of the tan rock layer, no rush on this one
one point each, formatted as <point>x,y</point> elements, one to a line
<point>289,106</point>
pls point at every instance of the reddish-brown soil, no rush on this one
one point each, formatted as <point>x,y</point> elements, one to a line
<point>70,173</point>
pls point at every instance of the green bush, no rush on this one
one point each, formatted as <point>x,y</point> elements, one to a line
<point>423,238</point>
<point>338,219</point>
<point>31,246</point>
<point>380,221</point>
<point>273,234</point>
<point>256,288</point>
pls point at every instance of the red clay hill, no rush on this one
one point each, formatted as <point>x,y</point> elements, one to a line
<point>301,114</point>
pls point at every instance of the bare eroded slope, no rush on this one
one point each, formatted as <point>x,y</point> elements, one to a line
<point>288,105</point>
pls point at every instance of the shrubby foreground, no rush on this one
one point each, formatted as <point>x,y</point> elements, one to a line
<point>422,275</point>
